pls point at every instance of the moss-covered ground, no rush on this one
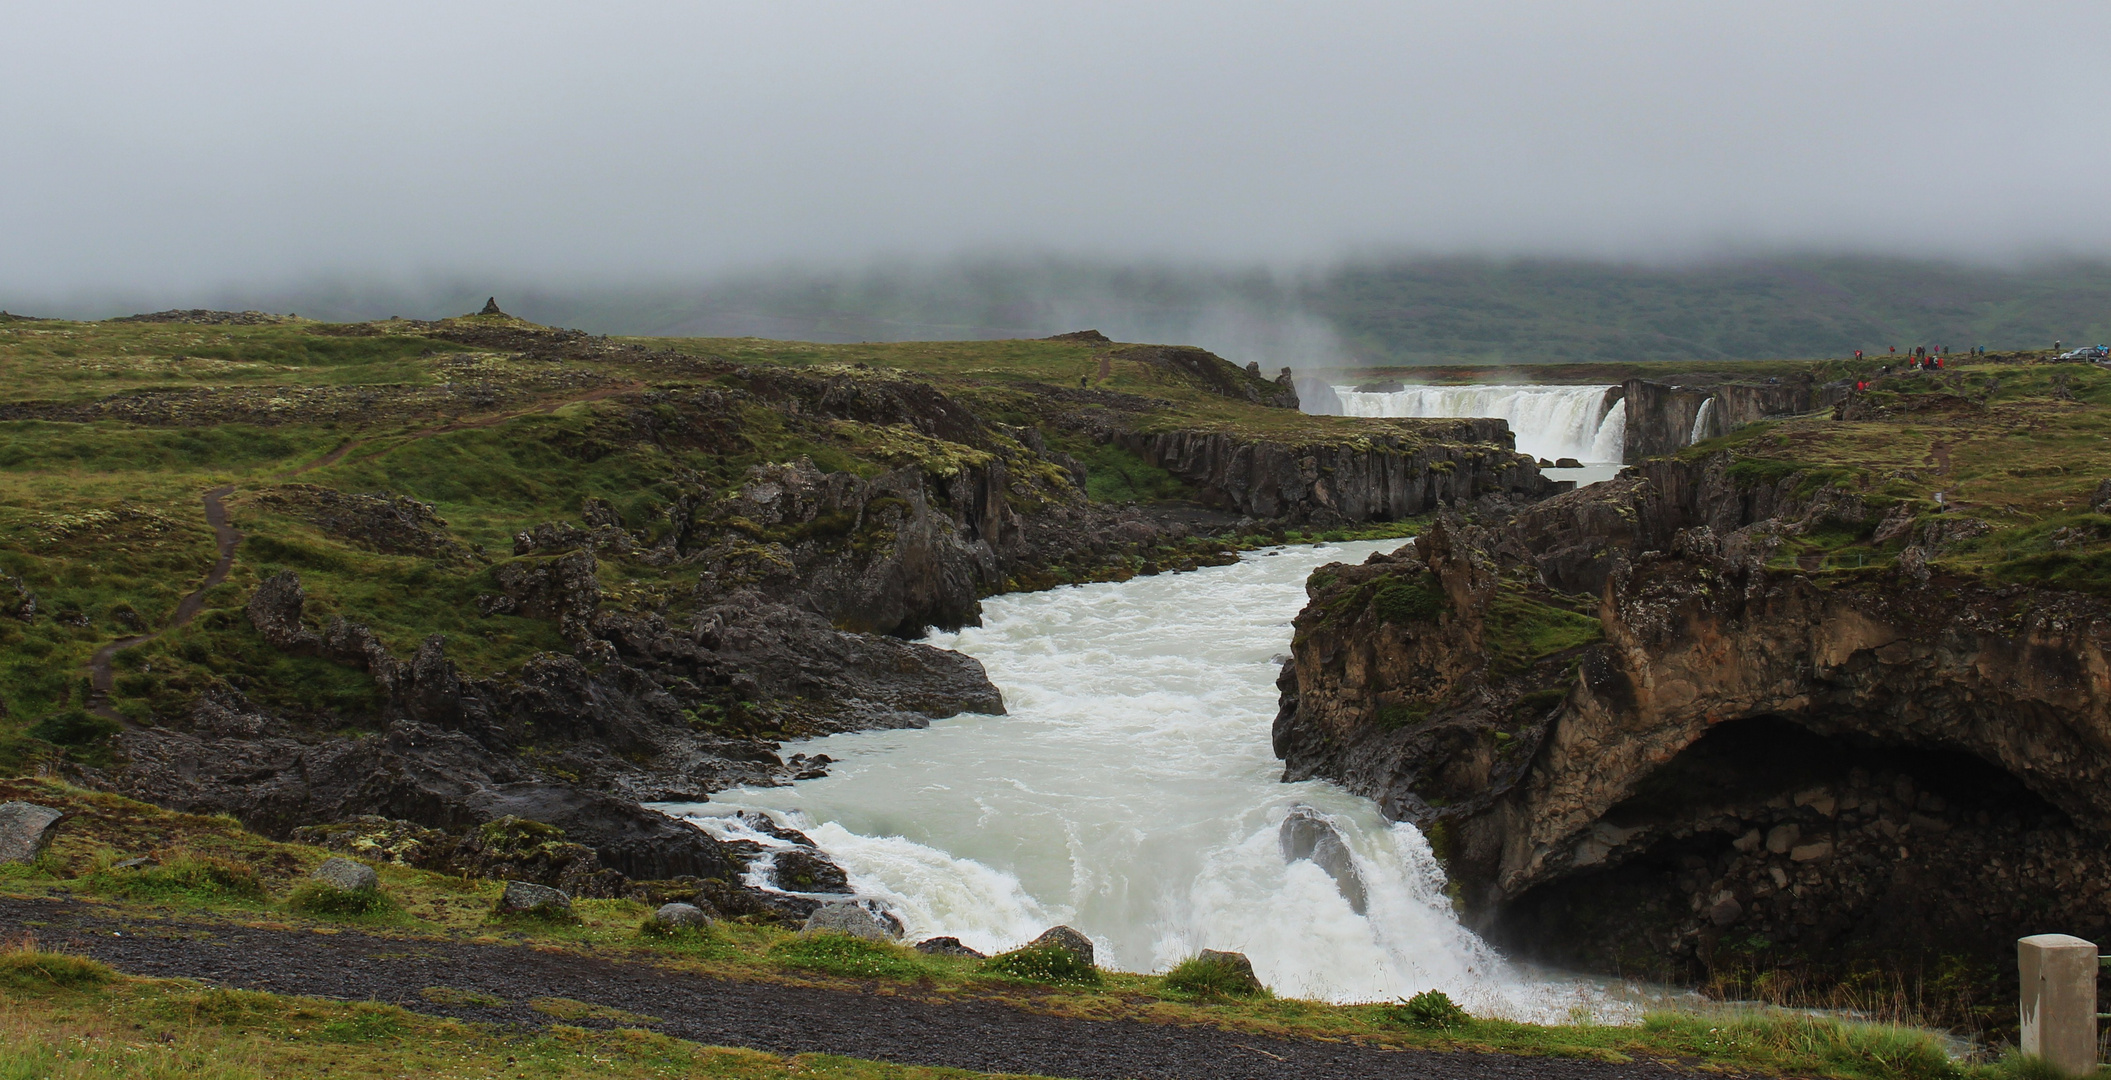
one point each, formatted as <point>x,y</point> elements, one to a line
<point>2015,441</point>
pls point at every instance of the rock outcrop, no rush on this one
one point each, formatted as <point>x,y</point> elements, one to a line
<point>1376,478</point>
<point>1709,753</point>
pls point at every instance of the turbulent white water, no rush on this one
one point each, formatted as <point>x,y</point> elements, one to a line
<point>1132,793</point>
<point>1549,421</point>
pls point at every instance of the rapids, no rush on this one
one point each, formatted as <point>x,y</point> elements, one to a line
<point>1132,793</point>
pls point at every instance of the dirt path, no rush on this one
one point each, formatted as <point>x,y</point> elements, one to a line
<point>102,678</point>
<point>903,1029</point>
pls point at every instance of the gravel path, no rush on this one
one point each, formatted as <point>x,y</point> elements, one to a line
<point>780,1019</point>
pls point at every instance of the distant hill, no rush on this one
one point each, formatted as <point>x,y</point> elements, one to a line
<point>1526,312</point>
<point>1377,313</point>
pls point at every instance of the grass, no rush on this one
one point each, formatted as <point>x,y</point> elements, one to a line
<point>145,1029</point>
<point>1044,964</point>
<point>849,957</point>
<point>327,901</point>
<point>1210,977</point>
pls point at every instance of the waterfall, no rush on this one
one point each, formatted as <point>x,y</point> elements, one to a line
<point>1549,421</point>
<point>1701,417</point>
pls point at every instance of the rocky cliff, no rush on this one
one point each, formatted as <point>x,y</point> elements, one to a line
<point>1665,416</point>
<point>1642,736</point>
<point>1373,478</point>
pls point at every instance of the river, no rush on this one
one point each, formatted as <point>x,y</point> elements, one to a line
<point>1132,792</point>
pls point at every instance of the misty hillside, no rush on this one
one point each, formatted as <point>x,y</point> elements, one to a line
<point>1545,311</point>
<point>1453,311</point>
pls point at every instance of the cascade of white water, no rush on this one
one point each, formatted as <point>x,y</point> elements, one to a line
<point>1132,792</point>
<point>1549,421</point>
<point>1701,416</point>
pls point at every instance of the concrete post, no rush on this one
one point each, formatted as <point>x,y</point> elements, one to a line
<point>2059,1000</point>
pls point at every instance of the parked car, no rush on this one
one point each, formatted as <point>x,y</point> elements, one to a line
<point>2088,352</point>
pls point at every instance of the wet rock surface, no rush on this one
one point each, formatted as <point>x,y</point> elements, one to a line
<point>899,1028</point>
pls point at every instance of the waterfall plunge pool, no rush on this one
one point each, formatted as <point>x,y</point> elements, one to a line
<point>1132,792</point>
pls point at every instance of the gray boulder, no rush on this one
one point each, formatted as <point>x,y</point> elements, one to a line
<point>1067,939</point>
<point>522,897</point>
<point>1239,968</point>
<point>1307,834</point>
<point>681,916</point>
<point>339,872</point>
<point>26,830</point>
<point>850,919</point>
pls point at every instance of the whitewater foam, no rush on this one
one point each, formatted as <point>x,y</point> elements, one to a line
<point>1132,793</point>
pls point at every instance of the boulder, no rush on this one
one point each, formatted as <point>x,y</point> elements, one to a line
<point>339,872</point>
<point>1567,463</point>
<point>1239,968</point>
<point>1307,834</point>
<point>523,897</point>
<point>807,871</point>
<point>945,946</point>
<point>1067,939</point>
<point>275,610</point>
<point>26,830</point>
<point>852,919</point>
<point>681,917</point>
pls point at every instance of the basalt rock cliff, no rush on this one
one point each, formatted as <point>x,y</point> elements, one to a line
<point>1642,737</point>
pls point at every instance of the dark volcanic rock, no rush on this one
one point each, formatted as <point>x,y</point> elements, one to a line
<point>275,610</point>
<point>801,870</point>
<point>946,946</point>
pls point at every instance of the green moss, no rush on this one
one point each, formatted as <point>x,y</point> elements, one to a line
<point>1519,630</point>
<point>1395,717</point>
<point>1404,602</point>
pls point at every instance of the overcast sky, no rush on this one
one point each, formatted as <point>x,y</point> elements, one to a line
<point>197,144</point>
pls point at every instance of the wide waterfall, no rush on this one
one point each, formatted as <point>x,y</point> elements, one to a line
<point>1132,793</point>
<point>1549,421</point>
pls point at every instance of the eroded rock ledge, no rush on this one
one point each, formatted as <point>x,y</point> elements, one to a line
<point>1735,758</point>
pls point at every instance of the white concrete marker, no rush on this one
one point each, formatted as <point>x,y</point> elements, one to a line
<point>2059,1000</point>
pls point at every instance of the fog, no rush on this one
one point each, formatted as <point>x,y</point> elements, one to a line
<point>162,152</point>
